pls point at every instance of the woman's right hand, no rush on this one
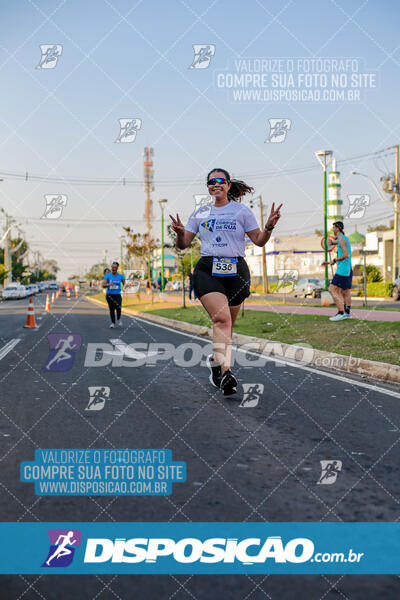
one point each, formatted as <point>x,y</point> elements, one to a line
<point>177,226</point>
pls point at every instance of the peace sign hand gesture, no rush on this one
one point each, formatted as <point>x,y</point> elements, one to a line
<point>274,216</point>
<point>177,226</point>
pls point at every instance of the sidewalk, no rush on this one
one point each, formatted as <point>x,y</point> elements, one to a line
<point>357,313</point>
<point>365,314</point>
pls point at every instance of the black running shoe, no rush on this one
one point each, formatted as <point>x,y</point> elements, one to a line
<point>215,371</point>
<point>228,383</point>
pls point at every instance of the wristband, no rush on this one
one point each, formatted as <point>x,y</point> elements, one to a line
<point>269,228</point>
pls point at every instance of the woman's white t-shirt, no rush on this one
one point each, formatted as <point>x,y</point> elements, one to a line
<point>222,229</point>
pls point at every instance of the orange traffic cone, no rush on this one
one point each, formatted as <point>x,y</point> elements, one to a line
<point>68,294</point>
<point>30,317</point>
<point>47,307</point>
<point>52,298</point>
<point>57,295</point>
<point>76,294</point>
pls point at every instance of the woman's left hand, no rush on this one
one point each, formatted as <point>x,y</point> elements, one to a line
<point>274,216</point>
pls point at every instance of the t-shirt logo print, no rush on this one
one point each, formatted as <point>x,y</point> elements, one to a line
<point>208,225</point>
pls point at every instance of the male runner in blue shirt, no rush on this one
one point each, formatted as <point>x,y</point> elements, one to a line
<point>340,287</point>
<point>113,282</point>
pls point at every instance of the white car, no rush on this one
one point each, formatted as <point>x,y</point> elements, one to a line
<point>14,290</point>
<point>53,286</point>
<point>29,290</point>
<point>42,286</point>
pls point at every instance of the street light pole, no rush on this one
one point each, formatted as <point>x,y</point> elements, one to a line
<point>324,158</point>
<point>162,204</point>
<point>372,182</point>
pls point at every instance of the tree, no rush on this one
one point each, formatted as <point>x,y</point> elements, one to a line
<point>381,227</point>
<point>39,275</point>
<point>318,232</point>
<point>142,246</point>
<point>184,256</point>
<point>19,248</point>
<point>95,272</point>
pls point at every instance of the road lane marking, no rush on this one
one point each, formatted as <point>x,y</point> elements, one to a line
<point>282,361</point>
<point>8,347</point>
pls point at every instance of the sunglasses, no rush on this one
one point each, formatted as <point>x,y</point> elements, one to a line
<point>220,180</point>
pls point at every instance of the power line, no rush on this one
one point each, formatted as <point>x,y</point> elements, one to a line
<point>123,181</point>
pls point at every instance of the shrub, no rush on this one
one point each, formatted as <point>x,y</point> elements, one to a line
<point>380,289</point>
<point>373,273</point>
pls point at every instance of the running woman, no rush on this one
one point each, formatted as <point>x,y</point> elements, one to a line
<point>340,287</point>
<point>113,282</point>
<point>221,278</point>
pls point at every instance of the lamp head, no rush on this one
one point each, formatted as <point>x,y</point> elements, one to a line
<point>324,157</point>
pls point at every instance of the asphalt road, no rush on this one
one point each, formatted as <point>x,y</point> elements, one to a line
<point>244,463</point>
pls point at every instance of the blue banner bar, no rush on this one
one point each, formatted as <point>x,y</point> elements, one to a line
<point>205,548</point>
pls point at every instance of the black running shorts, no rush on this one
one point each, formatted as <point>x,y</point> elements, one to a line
<point>236,287</point>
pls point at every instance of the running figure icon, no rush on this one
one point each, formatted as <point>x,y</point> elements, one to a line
<point>62,350</point>
<point>62,550</point>
<point>62,354</point>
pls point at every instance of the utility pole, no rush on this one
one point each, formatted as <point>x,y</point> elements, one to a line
<point>148,173</point>
<point>396,218</point>
<point>121,238</point>
<point>392,188</point>
<point>264,256</point>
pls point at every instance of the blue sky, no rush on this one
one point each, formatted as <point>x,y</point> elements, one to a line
<point>126,59</point>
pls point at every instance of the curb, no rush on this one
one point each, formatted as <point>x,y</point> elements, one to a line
<point>300,354</point>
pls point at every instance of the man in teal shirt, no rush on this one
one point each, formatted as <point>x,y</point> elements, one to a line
<point>340,287</point>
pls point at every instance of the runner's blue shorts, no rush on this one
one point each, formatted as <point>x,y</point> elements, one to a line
<point>342,281</point>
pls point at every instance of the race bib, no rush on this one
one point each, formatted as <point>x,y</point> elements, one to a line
<point>113,286</point>
<point>224,267</point>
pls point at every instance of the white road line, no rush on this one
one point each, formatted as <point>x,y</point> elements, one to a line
<point>289,363</point>
<point>8,347</point>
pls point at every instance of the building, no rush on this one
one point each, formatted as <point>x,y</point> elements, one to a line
<point>303,254</point>
<point>170,263</point>
<point>379,249</point>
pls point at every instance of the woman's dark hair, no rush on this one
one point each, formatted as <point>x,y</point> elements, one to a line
<point>238,188</point>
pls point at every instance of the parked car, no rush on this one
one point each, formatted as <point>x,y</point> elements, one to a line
<point>35,288</point>
<point>309,287</point>
<point>396,289</point>
<point>53,286</point>
<point>42,286</point>
<point>14,290</point>
<point>177,285</point>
